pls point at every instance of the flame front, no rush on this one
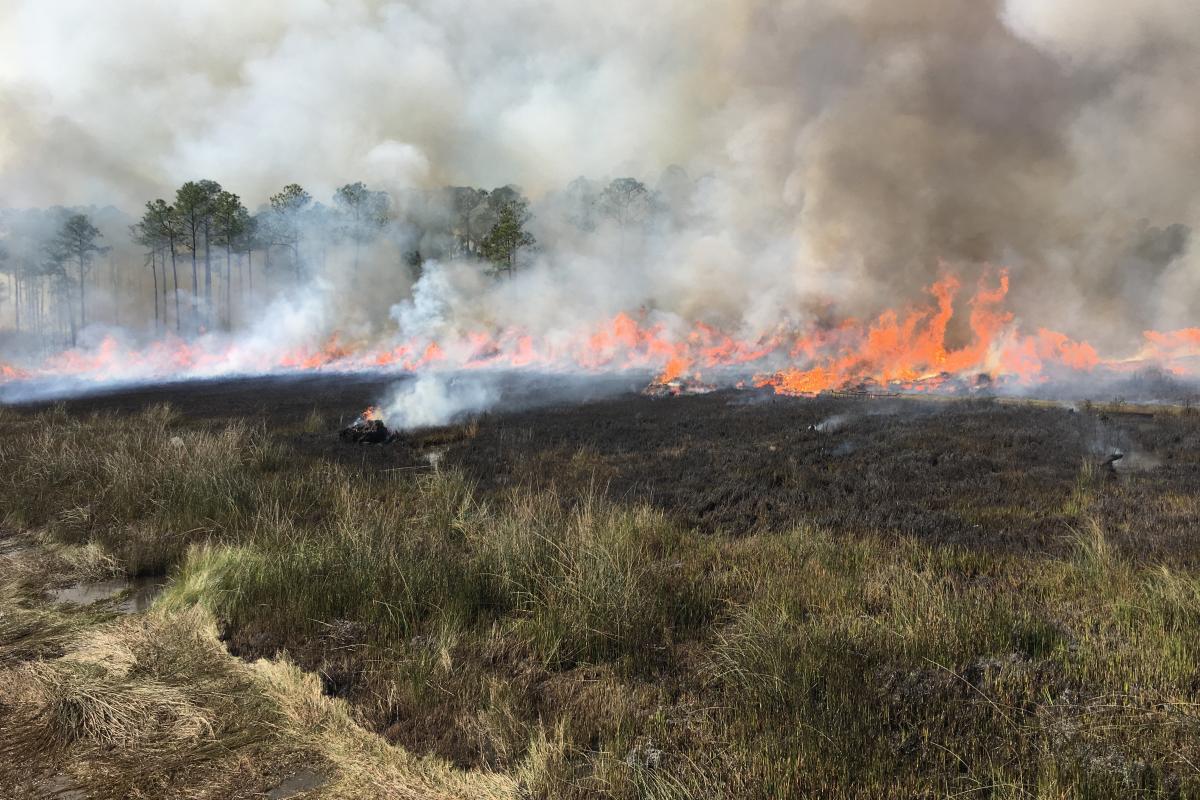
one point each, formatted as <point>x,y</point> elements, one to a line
<point>903,349</point>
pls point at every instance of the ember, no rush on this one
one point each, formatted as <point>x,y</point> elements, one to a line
<point>368,428</point>
<point>676,387</point>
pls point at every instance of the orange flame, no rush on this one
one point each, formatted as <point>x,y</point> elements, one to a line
<point>895,349</point>
<point>674,369</point>
<point>903,349</point>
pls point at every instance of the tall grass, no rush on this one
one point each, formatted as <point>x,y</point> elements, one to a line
<point>142,487</point>
<point>583,648</point>
<point>588,583</point>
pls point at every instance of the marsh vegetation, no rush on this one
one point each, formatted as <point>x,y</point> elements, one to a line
<point>427,633</point>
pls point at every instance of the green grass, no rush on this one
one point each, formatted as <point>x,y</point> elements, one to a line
<point>588,584</point>
<point>142,488</point>
<point>536,645</point>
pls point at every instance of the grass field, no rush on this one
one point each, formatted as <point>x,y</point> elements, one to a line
<point>534,614</point>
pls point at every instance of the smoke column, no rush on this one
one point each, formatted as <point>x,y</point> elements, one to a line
<point>820,158</point>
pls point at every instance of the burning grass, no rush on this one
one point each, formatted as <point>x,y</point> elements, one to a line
<point>560,643</point>
<point>901,349</point>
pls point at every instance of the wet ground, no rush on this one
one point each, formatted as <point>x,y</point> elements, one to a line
<point>132,595</point>
<point>305,780</point>
<point>974,472</point>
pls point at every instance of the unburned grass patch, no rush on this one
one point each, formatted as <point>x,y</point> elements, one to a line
<point>142,487</point>
<point>154,707</point>
<point>879,666</point>
<point>586,584</point>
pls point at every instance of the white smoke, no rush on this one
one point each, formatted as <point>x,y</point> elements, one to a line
<point>441,290</point>
<point>438,399</point>
<point>835,153</point>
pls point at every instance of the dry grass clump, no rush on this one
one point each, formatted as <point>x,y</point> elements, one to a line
<point>314,422</point>
<point>127,703</point>
<point>95,704</point>
<point>30,633</point>
<point>593,582</point>
<point>154,707</point>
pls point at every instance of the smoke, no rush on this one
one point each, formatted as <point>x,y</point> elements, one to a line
<point>815,158</point>
<point>832,424</point>
<point>428,91</point>
<point>438,399</point>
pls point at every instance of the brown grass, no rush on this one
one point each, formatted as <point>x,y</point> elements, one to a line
<point>530,644</point>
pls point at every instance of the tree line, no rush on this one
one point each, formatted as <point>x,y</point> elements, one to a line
<point>202,243</point>
<point>59,278</point>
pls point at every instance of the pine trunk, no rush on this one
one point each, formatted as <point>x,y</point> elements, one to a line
<point>195,304</point>
<point>82,319</point>
<point>154,275</point>
<point>207,280</point>
<point>228,286</point>
<point>162,265</point>
<point>175,272</point>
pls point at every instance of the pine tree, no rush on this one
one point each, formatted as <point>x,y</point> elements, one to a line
<point>508,236</point>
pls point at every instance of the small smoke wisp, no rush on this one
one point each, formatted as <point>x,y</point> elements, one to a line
<point>831,424</point>
<point>433,399</point>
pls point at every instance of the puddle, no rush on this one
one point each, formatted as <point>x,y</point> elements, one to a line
<point>139,593</point>
<point>303,781</point>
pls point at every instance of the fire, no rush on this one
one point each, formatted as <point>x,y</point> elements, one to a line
<point>675,369</point>
<point>1177,344</point>
<point>897,348</point>
<point>1027,357</point>
<point>371,414</point>
<point>331,351</point>
<point>903,349</point>
<point>908,351</point>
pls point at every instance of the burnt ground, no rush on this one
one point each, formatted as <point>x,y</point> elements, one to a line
<point>972,472</point>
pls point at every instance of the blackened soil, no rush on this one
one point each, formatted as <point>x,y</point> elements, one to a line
<point>281,400</point>
<point>977,473</point>
<point>972,473</point>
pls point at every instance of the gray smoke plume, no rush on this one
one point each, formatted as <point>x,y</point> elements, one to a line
<point>815,156</point>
